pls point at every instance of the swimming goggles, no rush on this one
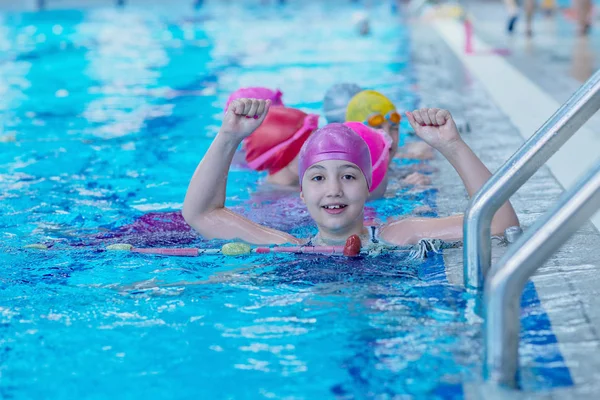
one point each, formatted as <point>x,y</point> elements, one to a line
<point>375,120</point>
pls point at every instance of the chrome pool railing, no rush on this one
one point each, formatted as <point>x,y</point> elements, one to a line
<point>504,286</point>
<point>515,172</point>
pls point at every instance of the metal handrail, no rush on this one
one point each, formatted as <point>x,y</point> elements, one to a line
<point>515,172</point>
<point>508,278</point>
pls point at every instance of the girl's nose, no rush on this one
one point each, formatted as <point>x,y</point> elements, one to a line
<point>334,188</point>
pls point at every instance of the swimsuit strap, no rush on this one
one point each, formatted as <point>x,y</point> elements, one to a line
<point>374,234</point>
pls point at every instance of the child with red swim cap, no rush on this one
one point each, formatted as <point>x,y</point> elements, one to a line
<point>275,144</point>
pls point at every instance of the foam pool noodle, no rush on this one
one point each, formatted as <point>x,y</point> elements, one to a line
<point>38,246</point>
<point>119,246</point>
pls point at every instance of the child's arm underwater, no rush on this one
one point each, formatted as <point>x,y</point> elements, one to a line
<point>204,204</point>
<point>437,128</point>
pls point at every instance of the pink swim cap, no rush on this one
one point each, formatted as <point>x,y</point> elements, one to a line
<point>379,146</point>
<point>335,142</point>
<point>260,93</point>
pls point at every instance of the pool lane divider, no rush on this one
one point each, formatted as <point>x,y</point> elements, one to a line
<point>237,249</point>
<point>352,248</point>
<point>230,249</point>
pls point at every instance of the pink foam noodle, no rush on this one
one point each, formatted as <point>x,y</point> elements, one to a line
<point>183,252</point>
<point>334,250</point>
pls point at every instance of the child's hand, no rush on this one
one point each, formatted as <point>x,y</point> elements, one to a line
<point>243,117</point>
<point>416,179</point>
<point>417,151</point>
<point>435,126</point>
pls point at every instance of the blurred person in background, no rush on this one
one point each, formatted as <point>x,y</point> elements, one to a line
<point>513,15</point>
<point>583,10</point>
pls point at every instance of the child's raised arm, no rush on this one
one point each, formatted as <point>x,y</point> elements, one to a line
<point>437,128</point>
<point>204,204</point>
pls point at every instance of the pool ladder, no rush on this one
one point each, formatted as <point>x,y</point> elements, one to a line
<point>506,281</point>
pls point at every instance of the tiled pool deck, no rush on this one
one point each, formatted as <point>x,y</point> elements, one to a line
<point>573,273</point>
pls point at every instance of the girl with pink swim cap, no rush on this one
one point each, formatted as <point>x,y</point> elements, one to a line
<point>335,174</point>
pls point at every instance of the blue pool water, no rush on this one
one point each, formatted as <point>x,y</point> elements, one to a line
<point>104,115</point>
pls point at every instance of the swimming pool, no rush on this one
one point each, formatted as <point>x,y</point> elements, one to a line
<point>105,113</point>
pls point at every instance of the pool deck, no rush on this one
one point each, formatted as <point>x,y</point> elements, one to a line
<point>525,88</point>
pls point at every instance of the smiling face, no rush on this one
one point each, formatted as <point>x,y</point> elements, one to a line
<point>335,193</point>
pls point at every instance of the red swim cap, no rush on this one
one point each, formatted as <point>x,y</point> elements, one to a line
<point>278,140</point>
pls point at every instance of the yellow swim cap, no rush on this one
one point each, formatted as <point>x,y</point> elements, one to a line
<point>368,102</point>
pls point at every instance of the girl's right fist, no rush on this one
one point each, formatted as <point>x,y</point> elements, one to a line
<point>243,117</point>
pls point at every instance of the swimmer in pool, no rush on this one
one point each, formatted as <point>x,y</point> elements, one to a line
<point>349,102</point>
<point>274,146</point>
<point>335,174</point>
